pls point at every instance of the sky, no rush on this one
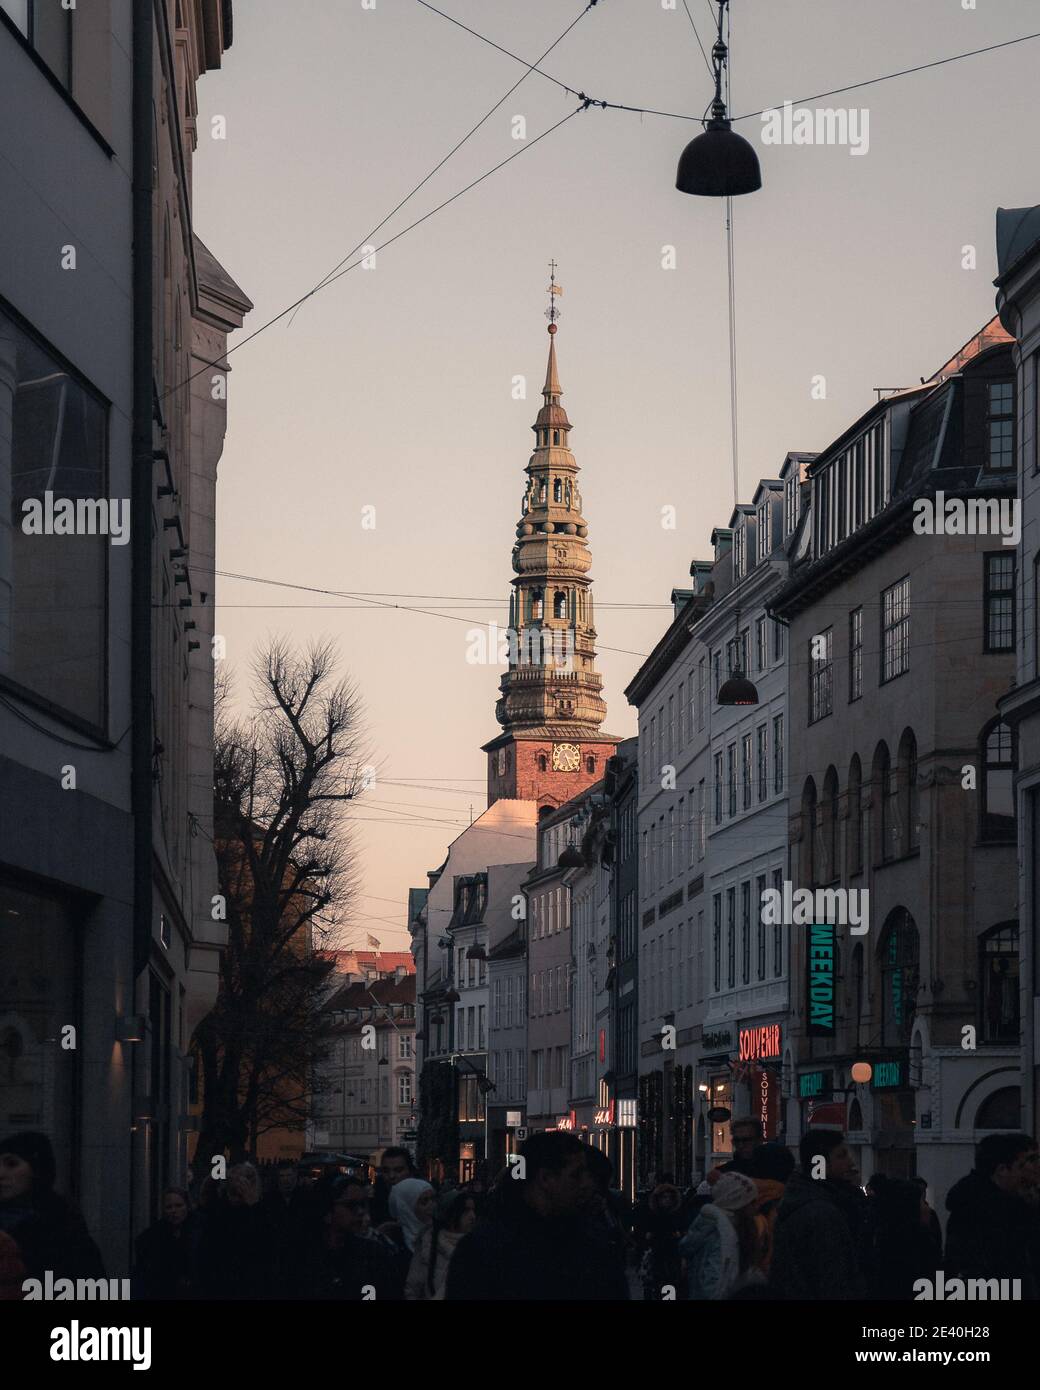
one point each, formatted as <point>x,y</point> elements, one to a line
<point>376,444</point>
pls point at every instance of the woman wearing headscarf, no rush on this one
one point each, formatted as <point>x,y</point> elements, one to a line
<point>411,1207</point>
<point>49,1233</point>
<point>455,1215</point>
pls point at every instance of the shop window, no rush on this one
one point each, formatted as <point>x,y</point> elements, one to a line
<point>998,984</point>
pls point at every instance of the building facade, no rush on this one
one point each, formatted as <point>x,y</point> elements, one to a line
<point>902,640</point>
<point>108,305</point>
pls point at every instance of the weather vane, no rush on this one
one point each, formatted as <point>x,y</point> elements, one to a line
<point>553,313</point>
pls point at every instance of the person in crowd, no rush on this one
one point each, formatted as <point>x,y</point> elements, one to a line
<point>770,1167</point>
<point>535,1242</point>
<point>745,1134</point>
<point>48,1232</point>
<point>722,1250</point>
<point>411,1209</point>
<point>167,1251</point>
<point>932,1221</point>
<point>239,1253</point>
<point>991,1232</point>
<point>661,1267</point>
<point>394,1166</point>
<point>608,1214</point>
<point>454,1216</point>
<point>340,1260</point>
<point>905,1247</point>
<point>819,1239</point>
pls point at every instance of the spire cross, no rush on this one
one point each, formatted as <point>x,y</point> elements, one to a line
<point>552,313</point>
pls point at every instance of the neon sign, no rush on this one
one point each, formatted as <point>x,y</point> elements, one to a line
<point>759,1042</point>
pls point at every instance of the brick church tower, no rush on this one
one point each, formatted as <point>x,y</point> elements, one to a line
<point>550,708</point>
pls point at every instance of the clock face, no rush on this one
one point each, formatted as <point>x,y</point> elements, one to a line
<point>566,757</point>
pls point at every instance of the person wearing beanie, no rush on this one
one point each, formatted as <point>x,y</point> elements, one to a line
<point>48,1233</point>
<point>723,1247</point>
<point>454,1216</point>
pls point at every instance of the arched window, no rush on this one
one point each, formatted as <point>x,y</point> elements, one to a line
<point>809,832</point>
<point>881,804</point>
<point>557,490</point>
<point>898,955</point>
<point>998,983</point>
<point>559,604</point>
<point>997,799</point>
<point>1001,1110</point>
<point>590,764</point>
<point>855,1115</point>
<point>854,841</point>
<point>909,811</point>
<point>542,490</point>
<point>556,436</point>
<point>567,494</point>
<point>829,827</point>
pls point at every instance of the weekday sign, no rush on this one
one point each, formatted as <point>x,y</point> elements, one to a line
<point>819,975</point>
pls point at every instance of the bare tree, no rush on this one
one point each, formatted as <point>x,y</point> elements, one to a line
<point>282,777</point>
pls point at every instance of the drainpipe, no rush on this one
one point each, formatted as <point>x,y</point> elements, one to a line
<point>141,523</point>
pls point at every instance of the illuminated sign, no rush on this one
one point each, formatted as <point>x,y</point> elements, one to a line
<point>766,1101</point>
<point>759,1042</point>
<point>819,975</point>
<point>813,1083</point>
<point>567,1121</point>
<point>604,1117</point>
<point>888,1076</point>
<point>602,1044</point>
<point>627,1111</point>
<point>514,1119</point>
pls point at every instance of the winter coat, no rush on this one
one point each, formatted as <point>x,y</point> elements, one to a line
<point>348,1271</point>
<point>990,1234</point>
<point>238,1253</point>
<point>417,1285</point>
<point>166,1260</point>
<point>816,1242</point>
<point>51,1235</point>
<point>516,1254</point>
<point>712,1254</point>
<point>12,1271</point>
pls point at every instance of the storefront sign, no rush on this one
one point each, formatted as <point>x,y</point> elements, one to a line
<point>514,1118</point>
<point>819,974</point>
<point>627,1111</point>
<point>756,1043</point>
<point>602,1044</point>
<point>720,1037</point>
<point>567,1121</point>
<point>766,1097</point>
<point>814,1083</point>
<point>888,1076</point>
<point>604,1117</point>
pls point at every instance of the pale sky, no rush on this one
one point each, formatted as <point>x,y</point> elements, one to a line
<point>393,389</point>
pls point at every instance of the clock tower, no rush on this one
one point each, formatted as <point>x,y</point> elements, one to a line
<point>550,706</point>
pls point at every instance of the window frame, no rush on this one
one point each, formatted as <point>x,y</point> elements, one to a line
<point>991,596</point>
<point>893,629</point>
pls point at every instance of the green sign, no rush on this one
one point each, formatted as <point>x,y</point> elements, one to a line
<point>814,1083</point>
<point>888,1076</point>
<point>819,980</point>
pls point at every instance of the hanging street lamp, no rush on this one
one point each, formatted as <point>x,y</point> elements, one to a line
<point>719,163</point>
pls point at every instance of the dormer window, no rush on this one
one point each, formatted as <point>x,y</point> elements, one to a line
<point>790,504</point>
<point>765,538</point>
<point>739,552</point>
<point>1000,426</point>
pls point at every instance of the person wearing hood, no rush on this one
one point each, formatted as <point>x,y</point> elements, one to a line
<point>48,1233</point>
<point>723,1246</point>
<point>455,1215</point>
<point>411,1208</point>
<point>819,1240</point>
<point>991,1233</point>
<point>771,1167</point>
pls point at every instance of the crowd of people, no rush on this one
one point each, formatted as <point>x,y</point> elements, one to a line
<point>551,1227</point>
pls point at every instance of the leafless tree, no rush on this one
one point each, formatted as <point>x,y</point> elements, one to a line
<point>282,777</point>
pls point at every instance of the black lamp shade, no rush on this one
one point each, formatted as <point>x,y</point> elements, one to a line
<point>738,690</point>
<point>719,163</point>
<point>571,859</point>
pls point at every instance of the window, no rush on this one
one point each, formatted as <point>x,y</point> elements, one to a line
<point>731,937</point>
<point>404,1045</point>
<point>38,995</point>
<point>404,1088</point>
<point>765,539</point>
<point>682,713</point>
<point>778,640</point>
<point>855,822</point>
<point>999,601</point>
<point>998,984</point>
<point>761,658</point>
<point>739,552</point>
<point>778,928</point>
<point>895,630</point>
<point>702,828</point>
<point>471,1102</point>
<point>745,931</point>
<point>1000,422</point>
<point>997,808</point>
<point>762,761</point>
<point>821,670</point>
<point>731,779</point>
<point>56,602</point>
<point>718,788</point>
<point>760,888</point>
<point>828,866</point>
<point>909,810</point>
<point>559,604</point>
<point>745,771</point>
<point>790,504</point>
<point>48,28</point>
<point>702,690</point>
<point>859,483</point>
<point>716,941</point>
<point>810,825</point>
<point>855,654</point>
<point>778,753</point>
<point>716,671</point>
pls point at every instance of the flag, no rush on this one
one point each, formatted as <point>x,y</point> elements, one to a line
<point>374,943</point>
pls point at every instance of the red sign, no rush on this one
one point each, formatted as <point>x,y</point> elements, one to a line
<point>602,1044</point>
<point>756,1043</point>
<point>567,1121</point>
<point>605,1117</point>
<point>765,1096</point>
